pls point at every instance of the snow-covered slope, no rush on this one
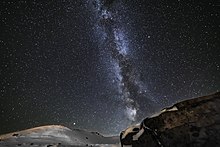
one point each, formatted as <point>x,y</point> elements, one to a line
<point>55,135</point>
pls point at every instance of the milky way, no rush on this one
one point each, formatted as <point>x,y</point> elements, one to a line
<point>130,88</point>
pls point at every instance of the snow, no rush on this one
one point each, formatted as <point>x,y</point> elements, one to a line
<point>59,136</point>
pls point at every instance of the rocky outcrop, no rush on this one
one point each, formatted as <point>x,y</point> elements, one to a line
<point>194,122</point>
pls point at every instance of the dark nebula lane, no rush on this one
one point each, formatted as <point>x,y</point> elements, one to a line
<point>130,88</point>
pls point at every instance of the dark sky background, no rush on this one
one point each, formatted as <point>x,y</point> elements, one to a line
<point>102,65</point>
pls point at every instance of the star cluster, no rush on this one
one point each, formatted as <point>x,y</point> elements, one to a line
<point>103,64</point>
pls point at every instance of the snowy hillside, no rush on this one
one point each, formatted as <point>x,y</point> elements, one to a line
<point>56,136</point>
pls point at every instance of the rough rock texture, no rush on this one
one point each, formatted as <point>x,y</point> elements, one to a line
<point>194,122</point>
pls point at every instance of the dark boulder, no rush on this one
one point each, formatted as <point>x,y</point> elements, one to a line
<point>194,122</point>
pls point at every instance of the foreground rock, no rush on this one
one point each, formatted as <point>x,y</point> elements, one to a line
<point>194,122</point>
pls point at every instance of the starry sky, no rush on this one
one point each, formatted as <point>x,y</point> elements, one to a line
<point>102,65</point>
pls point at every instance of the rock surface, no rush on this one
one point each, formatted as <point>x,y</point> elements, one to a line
<point>194,122</point>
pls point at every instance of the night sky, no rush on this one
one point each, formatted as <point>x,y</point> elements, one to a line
<point>102,65</point>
